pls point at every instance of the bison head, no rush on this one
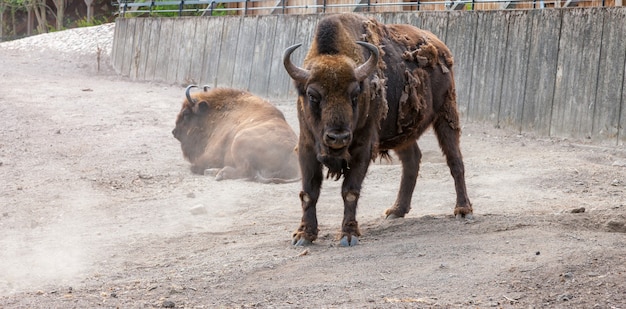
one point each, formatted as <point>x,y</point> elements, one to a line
<point>191,125</point>
<point>331,101</point>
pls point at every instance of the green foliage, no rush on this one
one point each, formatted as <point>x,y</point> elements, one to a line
<point>219,10</point>
<point>83,22</point>
<point>52,28</point>
<point>173,10</point>
<point>14,5</point>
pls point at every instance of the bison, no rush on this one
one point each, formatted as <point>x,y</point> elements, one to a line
<point>234,134</point>
<point>366,88</point>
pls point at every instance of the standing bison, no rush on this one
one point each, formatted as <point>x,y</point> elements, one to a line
<point>367,88</point>
<point>236,135</point>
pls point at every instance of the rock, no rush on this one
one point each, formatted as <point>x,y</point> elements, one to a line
<point>578,210</point>
<point>619,163</point>
<point>615,225</point>
<point>565,297</point>
<point>168,304</point>
<point>198,210</point>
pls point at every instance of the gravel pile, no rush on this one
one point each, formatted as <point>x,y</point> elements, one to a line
<point>82,41</point>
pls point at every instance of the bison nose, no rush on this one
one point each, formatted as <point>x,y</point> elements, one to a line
<point>337,139</point>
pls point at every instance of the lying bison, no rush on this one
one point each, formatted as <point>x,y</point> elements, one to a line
<point>236,135</point>
<point>353,108</point>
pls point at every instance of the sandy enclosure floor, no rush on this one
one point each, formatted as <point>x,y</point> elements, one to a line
<point>99,209</point>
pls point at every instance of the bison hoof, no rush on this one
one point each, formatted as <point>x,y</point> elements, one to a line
<point>392,216</point>
<point>465,216</point>
<point>301,242</point>
<point>345,243</point>
<point>392,213</point>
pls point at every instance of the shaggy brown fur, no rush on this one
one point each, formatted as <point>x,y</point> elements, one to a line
<point>236,135</point>
<point>345,122</point>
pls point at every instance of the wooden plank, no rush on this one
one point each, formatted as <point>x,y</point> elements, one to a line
<point>144,49</point>
<point>213,44</point>
<point>307,24</point>
<point>610,93</point>
<point>226,65</point>
<point>164,48</point>
<point>461,40</point>
<point>400,18</point>
<point>577,72</point>
<point>245,53</point>
<point>416,19</point>
<point>128,47</point>
<point>296,29</point>
<point>138,38</point>
<point>198,51</point>
<point>280,84</point>
<point>387,17</point>
<point>542,65</point>
<point>263,55</point>
<point>174,60</point>
<point>153,49</point>
<point>119,38</point>
<point>437,23</point>
<point>186,47</point>
<point>487,72</point>
<point>515,65</point>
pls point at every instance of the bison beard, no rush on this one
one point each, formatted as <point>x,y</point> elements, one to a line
<point>381,98</point>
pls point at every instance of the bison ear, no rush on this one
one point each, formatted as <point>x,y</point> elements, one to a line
<point>203,107</point>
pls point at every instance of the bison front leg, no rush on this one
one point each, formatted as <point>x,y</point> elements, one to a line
<point>350,192</point>
<point>349,226</point>
<point>312,177</point>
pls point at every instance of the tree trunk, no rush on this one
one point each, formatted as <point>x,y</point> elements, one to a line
<point>60,5</point>
<point>29,22</point>
<point>39,8</point>
<point>89,10</point>
<point>2,9</point>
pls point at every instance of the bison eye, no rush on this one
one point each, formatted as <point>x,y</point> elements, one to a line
<point>355,100</point>
<point>355,96</point>
<point>314,97</point>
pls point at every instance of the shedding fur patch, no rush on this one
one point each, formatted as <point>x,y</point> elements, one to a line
<point>427,55</point>
<point>412,101</point>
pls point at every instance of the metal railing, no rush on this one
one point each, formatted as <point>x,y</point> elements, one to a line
<point>232,7</point>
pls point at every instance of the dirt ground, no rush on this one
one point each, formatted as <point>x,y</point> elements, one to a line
<point>98,208</point>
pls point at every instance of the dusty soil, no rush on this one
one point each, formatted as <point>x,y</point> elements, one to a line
<point>99,209</point>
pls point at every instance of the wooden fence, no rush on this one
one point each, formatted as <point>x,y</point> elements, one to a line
<point>556,72</point>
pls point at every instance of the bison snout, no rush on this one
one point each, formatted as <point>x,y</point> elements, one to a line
<point>337,139</point>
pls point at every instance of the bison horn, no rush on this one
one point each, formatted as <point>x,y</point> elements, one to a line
<point>187,93</point>
<point>364,70</point>
<point>298,74</point>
